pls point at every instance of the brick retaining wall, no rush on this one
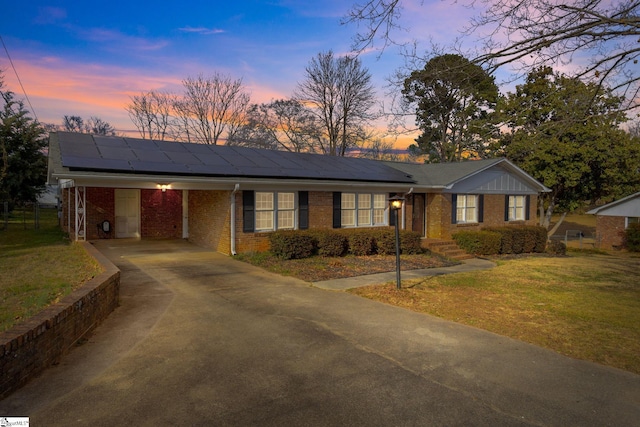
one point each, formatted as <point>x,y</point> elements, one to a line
<point>29,348</point>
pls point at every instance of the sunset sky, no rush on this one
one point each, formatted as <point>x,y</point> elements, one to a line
<point>87,58</point>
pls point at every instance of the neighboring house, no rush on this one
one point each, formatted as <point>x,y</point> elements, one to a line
<point>230,198</point>
<point>613,218</point>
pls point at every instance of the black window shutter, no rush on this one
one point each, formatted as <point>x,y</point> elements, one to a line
<point>454,208</point>
<point>303,210</point>
<point>481,208</point>
<point>392,214</point>
<point>506,207</point>
<point>527,205</point>
<point>337,209</point>
<point>248,211</point>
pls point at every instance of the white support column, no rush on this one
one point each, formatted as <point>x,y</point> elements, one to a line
<point>81,220</point>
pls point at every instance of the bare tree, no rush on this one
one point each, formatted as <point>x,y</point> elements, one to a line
<point>528,34</point>
<point>151,112</point>
<point>340,94</point>
<point>94,125</point>
<point>73,124</point>
<point>283,124</point>
<point>212,106</point>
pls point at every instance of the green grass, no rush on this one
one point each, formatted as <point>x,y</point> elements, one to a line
<point>37,267</point>
<point>586,305</point>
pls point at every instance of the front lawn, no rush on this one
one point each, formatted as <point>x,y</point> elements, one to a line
<point>38,267</point>
<point>586,305</point>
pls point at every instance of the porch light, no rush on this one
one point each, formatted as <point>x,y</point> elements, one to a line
<point>164,187</point>
<point>395,203</point>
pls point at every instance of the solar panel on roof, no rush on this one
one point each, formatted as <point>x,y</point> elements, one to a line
<point>115,152</point>
<point>158,167</point>
<point>109,141</point>
<point>183,157</point>
<point>144,144</point>
<point>80,151</point>
<point>151,156</point>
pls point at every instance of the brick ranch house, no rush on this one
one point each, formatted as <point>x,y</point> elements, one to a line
<point>613,218</point>
<point>230,198</point>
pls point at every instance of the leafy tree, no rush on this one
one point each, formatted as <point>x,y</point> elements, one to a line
<point>283,124</point>
<point>94,125</point>
<point>533,33</point>
<point>23,166</point>
<point>566,134</point>
<point>340,94</point>
<point>453,100</point>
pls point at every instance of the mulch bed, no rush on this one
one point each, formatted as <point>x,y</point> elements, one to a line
<point>316,269</point>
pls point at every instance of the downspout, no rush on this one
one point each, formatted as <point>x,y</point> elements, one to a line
<point>233,219</point>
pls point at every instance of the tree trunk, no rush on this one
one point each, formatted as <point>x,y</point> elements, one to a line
<point>556,226</point>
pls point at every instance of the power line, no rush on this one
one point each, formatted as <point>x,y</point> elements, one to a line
<point>18,77</point>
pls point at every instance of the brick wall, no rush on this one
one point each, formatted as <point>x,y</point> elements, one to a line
<point>439,224</point>
<point>100,206</point>
<point>161,214</point>
<point>610,231</point>
<point>209,217</point>
<point>29,348</point>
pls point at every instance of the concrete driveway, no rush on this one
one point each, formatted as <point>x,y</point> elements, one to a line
<point>201,339</point>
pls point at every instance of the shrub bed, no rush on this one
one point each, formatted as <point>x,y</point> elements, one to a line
<point>511,240</point>
<point>478,242</point>
<point>296,244</point>
<point>291,244</point>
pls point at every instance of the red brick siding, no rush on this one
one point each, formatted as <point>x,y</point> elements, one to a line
<point>209,218</point>
<point>439,215</point>
<point>161,214</point>
<point>29,348</point>
<point>100,206</point>
<point>610,231</point>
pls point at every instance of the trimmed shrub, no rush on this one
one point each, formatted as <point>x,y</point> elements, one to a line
<point>361,242</point>
<point>410,242</point>
<point>556,247</point>
<point>331,243</point>
<point>478,242</point>
<point>521,239</point>
<point>632,238</point>
<point>385,241</point>
<point>291,244</point>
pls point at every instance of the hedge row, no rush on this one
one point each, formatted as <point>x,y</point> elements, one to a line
<point>295,244</point>
<point>503,240</point>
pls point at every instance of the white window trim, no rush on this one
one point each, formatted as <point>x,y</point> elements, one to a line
<point>371,209</point>
<point>274,211</point>
<point>465,209</point>
<point>513,208</point>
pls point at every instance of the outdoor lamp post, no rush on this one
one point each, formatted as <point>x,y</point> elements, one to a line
<point>395,203</point>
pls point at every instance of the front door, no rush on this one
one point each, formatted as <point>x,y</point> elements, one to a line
<point>417,221</point>
<point>127,213</point>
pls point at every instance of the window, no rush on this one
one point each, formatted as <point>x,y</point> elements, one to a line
<point>362,209</point>
<point>467,208</point>
<point>516,208</point>
<point>274,208</point>
<point>286,211</point>
<point>632,220</point>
